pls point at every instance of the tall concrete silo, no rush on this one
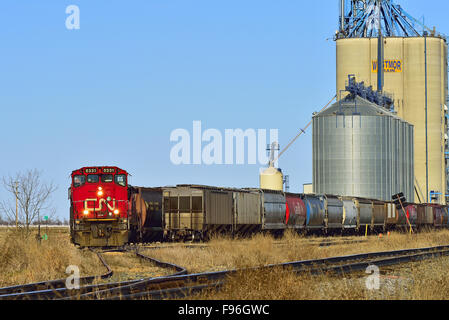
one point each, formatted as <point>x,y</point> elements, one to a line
<point>415,72</point>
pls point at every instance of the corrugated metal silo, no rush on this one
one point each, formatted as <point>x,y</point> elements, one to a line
<point>360,149</point>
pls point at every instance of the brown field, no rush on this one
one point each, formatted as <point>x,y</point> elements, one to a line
<point>225,253</point>
<point>425,280</point>
<point>417,281</point>
<point>24,260</point>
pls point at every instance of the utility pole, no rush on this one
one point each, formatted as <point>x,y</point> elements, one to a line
<point>38,236</point>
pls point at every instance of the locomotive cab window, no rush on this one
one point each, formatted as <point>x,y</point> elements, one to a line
<point>78,180</point>
<point>120,179</point>
<point>106,178</point>
<point>92,178</point>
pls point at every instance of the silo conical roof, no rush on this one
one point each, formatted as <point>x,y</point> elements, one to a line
<point>356,105</point>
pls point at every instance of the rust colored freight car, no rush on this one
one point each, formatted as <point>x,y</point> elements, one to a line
<point>296,212</point>
<point>407,216</point>
<point>425,218</point>
<point>439,216</point>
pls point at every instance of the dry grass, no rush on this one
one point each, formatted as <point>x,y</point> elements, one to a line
<point>25,260</point>
<point>418,281</point>
<point>425,280</point>
<point>225,253</point>
<point>127,266</point>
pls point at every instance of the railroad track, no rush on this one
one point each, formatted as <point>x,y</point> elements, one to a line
<point>186,285</point>
<point>56,289</point>
<point>318,242</point>
<point>181,285</point>
<point>56,284</point>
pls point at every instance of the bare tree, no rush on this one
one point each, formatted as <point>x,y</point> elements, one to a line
<point>33,196</point>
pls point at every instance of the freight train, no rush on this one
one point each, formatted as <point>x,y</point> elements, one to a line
<point>105,211</point>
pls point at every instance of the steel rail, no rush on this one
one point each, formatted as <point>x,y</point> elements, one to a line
<point>55,284</point>
<point>318,242</point>
<point>200,279</point>
<point>47,293</point>
<point>174,293</point>
<point>187,291</point>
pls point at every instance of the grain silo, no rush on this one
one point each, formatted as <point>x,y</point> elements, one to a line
<point>415,73</point>
<point>361,149</point>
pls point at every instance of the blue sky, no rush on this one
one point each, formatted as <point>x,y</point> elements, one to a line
<point>111,92</point>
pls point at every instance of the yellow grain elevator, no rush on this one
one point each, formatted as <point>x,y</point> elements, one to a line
<point>415,74</point>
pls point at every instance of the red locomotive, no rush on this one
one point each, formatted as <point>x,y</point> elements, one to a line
<point>99,209</point>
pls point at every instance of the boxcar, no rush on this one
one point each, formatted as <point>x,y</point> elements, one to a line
<point>247,211</point>
<point>197,211</point>
<point>316,212</point>
<point>334,212</point>
<point>349,213</point>
<point>296,212</point>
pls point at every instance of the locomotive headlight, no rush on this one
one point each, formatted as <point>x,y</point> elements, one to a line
<point>116,211</point>
<point>86,212</point>
<point>100,193</point>
<point>100,188</point>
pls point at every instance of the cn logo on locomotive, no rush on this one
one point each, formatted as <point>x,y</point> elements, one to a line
<point>100,205</point>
